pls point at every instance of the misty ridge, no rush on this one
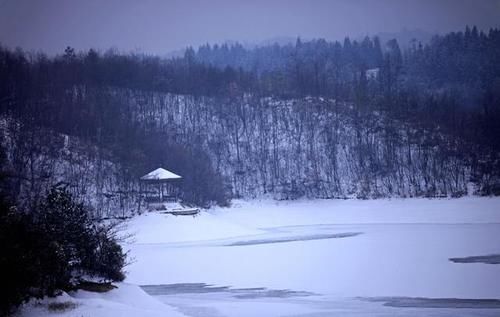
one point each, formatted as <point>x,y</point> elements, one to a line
<point>318,119</point>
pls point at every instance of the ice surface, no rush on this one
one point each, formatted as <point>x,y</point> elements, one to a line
<point>318,258</point>
<point>403,251</point>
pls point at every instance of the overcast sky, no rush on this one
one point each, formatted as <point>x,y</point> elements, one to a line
<point>155,26</point>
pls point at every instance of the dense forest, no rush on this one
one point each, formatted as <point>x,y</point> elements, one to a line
<point>318,119</point>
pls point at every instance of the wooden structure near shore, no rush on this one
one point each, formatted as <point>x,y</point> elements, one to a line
<point>161,193</point>
<point>160,186</point>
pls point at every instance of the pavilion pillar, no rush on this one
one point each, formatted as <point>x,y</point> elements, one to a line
<point>161,192</point>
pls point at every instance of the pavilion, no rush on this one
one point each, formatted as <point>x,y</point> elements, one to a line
<point>160,186</point>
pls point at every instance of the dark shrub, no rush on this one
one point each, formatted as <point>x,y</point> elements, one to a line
<point>108,258</point>
<point>51,248</point>
<point>88,248</point>
<point>18,273</point>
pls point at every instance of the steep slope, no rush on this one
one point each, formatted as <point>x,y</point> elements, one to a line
<point>308,147</point>
<point>39,158</point>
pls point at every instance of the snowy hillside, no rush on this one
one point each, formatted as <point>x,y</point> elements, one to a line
<point>285,149</point>
<point>308,147</point>
<point>39,159</point>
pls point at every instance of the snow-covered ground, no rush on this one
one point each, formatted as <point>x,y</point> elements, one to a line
<point>314,258</point>
<point>126,300</point>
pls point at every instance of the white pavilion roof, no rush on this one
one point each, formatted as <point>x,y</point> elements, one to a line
<point>160,174</point>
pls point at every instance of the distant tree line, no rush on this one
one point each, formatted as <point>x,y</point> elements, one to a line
<point>450,86</point>
<point>453,81</point>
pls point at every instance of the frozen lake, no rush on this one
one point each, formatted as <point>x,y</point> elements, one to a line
<point>272,259</point>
